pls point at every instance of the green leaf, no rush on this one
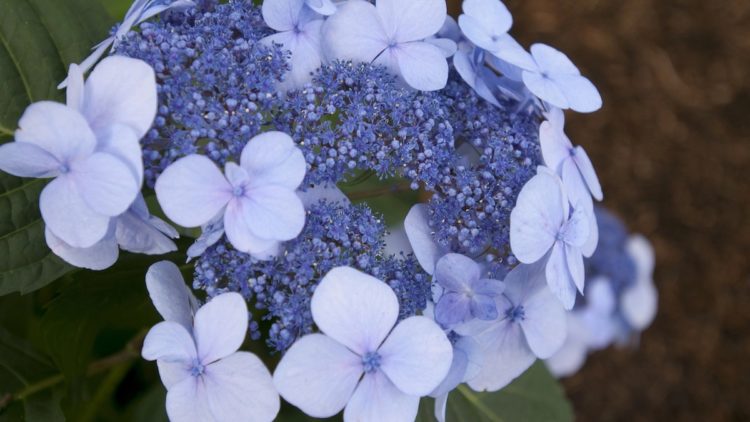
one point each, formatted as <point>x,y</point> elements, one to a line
<point>73,321</point>
<point>392,198</point>
<point>24,368</point>
<point>115,299</point>
<point>534,396</point>
<point>117,8</point>
<point>150,407</point>
<point>26,263</point>
<point>38,40</point>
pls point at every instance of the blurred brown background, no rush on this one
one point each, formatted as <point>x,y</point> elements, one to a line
<point>672,149</point>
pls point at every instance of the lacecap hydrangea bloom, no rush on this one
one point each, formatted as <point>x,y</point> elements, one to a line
<point>245,123</point>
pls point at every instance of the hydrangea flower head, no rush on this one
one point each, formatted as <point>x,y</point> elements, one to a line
<point>206,377</point>
<point>362,362</point>
<point>256,198</point>
<point>391,33</point>
<point>245,117</point>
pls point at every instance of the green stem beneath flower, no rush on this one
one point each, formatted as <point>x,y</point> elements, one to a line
<point>4,131</point>
<point>130,352</point>
<point>374,193</point>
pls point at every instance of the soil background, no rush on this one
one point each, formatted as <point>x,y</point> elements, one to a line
<point>672,149</point>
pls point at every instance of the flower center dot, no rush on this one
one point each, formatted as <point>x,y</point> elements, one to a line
<point>238,191</point>
<point>64,168</point>
<point>197,369</point>
<point>371,362</point>
<point>516,313</point>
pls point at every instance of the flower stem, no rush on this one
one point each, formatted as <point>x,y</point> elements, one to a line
<point>128,353</point>
<point>374,193</point>
<point>4,131</point>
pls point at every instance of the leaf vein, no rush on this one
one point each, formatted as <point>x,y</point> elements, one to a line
<point>13,58</point>
<point>478,403</point>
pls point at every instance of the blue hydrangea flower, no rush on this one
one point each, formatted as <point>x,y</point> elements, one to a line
<point>364,362</point>
<point>531,326</point>
<point>299,32</point>
<point>256,198</point>
<point>466,294</point>
<point>90,148</point>
<point>551,76</point>
<point>543,229</point>
<point>486,24</point>
<point>391,33</point>
<point>206,377</point>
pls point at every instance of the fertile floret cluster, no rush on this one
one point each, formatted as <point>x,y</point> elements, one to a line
<point>335,235</point>
<point>216,82</point>
<point>470,210</point>
<point>358,117</point>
